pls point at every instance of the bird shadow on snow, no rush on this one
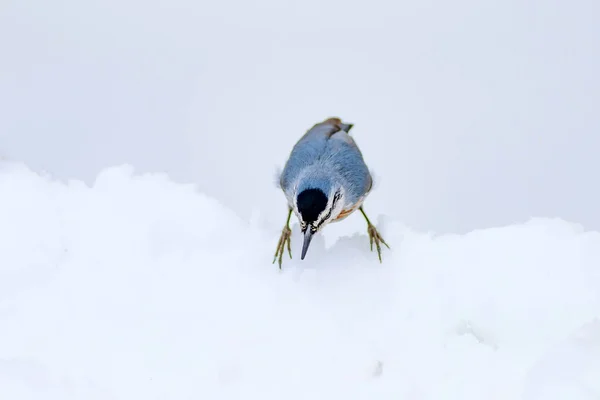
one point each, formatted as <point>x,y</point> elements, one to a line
<point>345,252</point>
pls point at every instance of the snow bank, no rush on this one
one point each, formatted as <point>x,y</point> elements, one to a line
<point>139,288</point>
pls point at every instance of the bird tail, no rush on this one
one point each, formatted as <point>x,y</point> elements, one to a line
<point>338,124</point>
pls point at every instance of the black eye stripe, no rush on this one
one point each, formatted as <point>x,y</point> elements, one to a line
<point>336,197</point>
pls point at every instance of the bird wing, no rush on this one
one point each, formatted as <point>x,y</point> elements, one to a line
<point>309,148</point>
<point>347,159</point>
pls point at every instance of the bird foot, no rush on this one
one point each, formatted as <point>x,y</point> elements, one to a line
<point>374,236</point>
<point>286,236</point>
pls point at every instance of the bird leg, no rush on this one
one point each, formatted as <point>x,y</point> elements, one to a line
<point>374,235</point>
<point>286,235</point>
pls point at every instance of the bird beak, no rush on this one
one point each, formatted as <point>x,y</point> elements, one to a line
<point>307,238</point>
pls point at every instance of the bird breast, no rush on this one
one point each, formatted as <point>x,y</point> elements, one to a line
<point>348,210</point>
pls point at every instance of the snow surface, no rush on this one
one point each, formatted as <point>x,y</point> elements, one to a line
<point>140,288</point>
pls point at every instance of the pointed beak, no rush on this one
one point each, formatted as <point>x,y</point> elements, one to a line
<point>307,238</point>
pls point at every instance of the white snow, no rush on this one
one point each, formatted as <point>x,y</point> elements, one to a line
<point>140,288</point>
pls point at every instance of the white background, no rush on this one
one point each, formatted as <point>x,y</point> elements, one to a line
<point>471,114</point>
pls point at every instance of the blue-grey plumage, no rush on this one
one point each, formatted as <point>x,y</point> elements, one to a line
<point>327,158</point>
<point>325,179</point>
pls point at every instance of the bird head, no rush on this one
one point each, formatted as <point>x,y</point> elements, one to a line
<point>315,208</point>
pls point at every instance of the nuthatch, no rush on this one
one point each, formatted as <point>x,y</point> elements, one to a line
<point>325,180</point>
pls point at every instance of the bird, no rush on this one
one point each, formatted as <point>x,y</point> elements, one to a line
<point>325,179</point>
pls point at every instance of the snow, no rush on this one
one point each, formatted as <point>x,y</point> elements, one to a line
<point>137,287</point>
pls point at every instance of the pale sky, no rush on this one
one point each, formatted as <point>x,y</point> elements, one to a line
<point>471,114</point>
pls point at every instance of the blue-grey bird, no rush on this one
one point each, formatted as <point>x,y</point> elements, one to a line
<point>324,180</point>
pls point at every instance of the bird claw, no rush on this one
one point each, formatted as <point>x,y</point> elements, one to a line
<point>375,236</point>
<point>285,237</point>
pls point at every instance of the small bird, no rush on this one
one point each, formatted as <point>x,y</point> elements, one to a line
<point>325,180</point>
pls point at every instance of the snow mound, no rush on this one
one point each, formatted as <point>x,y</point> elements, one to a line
<point>140,288</point>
